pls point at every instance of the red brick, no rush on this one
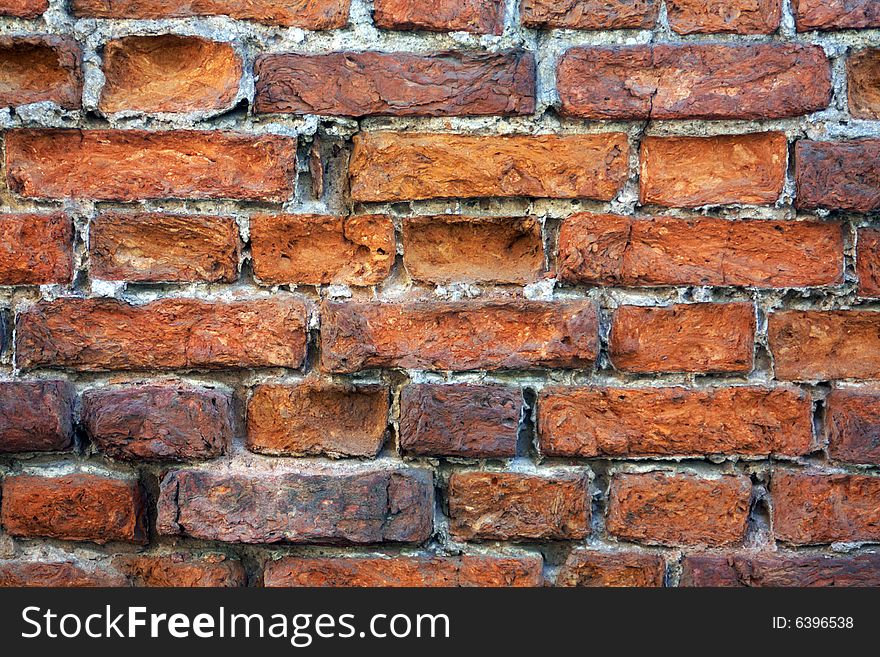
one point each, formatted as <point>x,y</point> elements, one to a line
<point>852,425</point>
<point>136,164</point>
<point>478,421</point>
<point>657,251</point>
<point>444,249</point>
<point>182,570</point>
<point>35,69</point>
<point>731,16</point>
<point>79,507</point>
<point>163,248</point>
<point>702,337</point>
<point>816,345</point>
<point>313,419</point>
<point>669,509</point>
<point>835,14</point>
<point>626,422</point>
<point>842,175</point>
<point>620,569</point>
<point>23,8</point>
<point>55,574</point>
<point>397,166</point>
<point>364,507</point>
<point>476,16</point>
<point>863,83</point>
<point>590,14</point>
<point>868,262</point>
<point>36,249</point>
<point>405,572</point>
<point>360,84</point>
<point>36,416</point>
<point>696,171</point>
<point>811,509</point>
<point>158,423</point>
<point>307,14</point>
<point>319,250</point>
<point>428,335</point>
<point>780,570</point>
<point>513,506</point>
<point>106,334</point>
<point>718,81</point>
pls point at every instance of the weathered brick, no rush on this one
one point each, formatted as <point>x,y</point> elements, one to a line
<point>36,416</point>
<point>365,507</point>
<point>835,14</point>
<point>717,81</point>
<point>731,16</point>
<point>36,249</point>
<point>63,574</point>
<point>136,164</point>
<point>625,422</point>
<point>460,420</point>
<point>158,423</point>
<point>727,169</point>
<point>590,14</point>
<point>182,570</point>
<point>163,248</point>
<point>842,175</point>
<point>701,337</point>
<point>307,14</point>
<point>318,419</point>
<point>656,251</point>
<point>106,334</point>
<point>360,84</point>
<point>669,509</point>
<point>35,69</point>
<point>405,571</point>
<point>586,567</point>
<point>780,570</point>
<point>23,8</point>
<point>168,73</point>
<point>868,262</point>
<point>427,335</point>
<point>476,16</point>
<point>513,506</point>
<point>79,507</point>
<point>320,250</point>
<point>817,345</point>
<point>852,425</point>
<point>396,166</point>
<point>863,83</point>
<point>444,249</point>
<point>812,509</point>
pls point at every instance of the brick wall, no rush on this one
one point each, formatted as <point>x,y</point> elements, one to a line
<point>467,292</point>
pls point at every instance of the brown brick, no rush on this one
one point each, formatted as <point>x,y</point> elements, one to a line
<point>35,69</point>
<point>106,334</point>
<point>428,335</point>
<point>55,574</point>
<point>476,16</point>
<point>696,171</point>
<point>158,423</point>
<point>79,507</point>
<point>318,419</point>
<point>625,422</point>
<point>717,81</point>
<point>478,421</point>
<point>36,249</point>
<point>656,251</point>
<point>701,337</point>
<point>360,84</point>
<point>852,425</point>
<point>863,83</point>
<point>780,570</point>
<point>868,262</point>
<point>843,175</point>
<point>396,166</point>
<point>669,509</point>
<point>621,569</point>
<point>443,249</point>
<point>182,570</point>
<point>590,14</point>
<point>365,507</point>
<point>136,164</point>
<point>815,345</point>
<point>23,8</point>
<point>719,16</point>
<point>163,248</point>
<point>815,508</point>
<point>36,416</point>
<point>307,14</point>
<point>405,571</point>
<point>319,250</point>
<point>513,506</point>
<point>835,14</point>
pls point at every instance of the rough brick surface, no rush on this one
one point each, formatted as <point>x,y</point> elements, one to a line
<point>181,570</point>
<point>36,416</point>
<point>863,83</point>
<point>852,425</point>
<point>476,16</point>
<point>842,175</point>
<point>835,14</point>
<point>590,14</point>
<point>23,8</point>
<point>726,16</point>
<point>780,570</point>
<point>58,574</point>
<point>621,569</point>
<point>868,263</point>
<point>38,69</point>
<point>35,249</point>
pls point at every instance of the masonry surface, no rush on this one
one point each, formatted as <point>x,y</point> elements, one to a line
<point>456,293</point>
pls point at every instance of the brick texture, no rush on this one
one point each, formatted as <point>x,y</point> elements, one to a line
<point>618,569</point>
<point>590,14</point>
<point>835,14</point>
<point>181,570</point>
<point>782,570</point>
<point>476,16</point>
<point>842,175</point>
<point>868,262</point>
<point>36,416</point>
<point>863,76</point>
<point>852,425</point>
<point>23,8</point>
<point>724,16</point>
<point>39,69</point>
<point>35,249</point>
